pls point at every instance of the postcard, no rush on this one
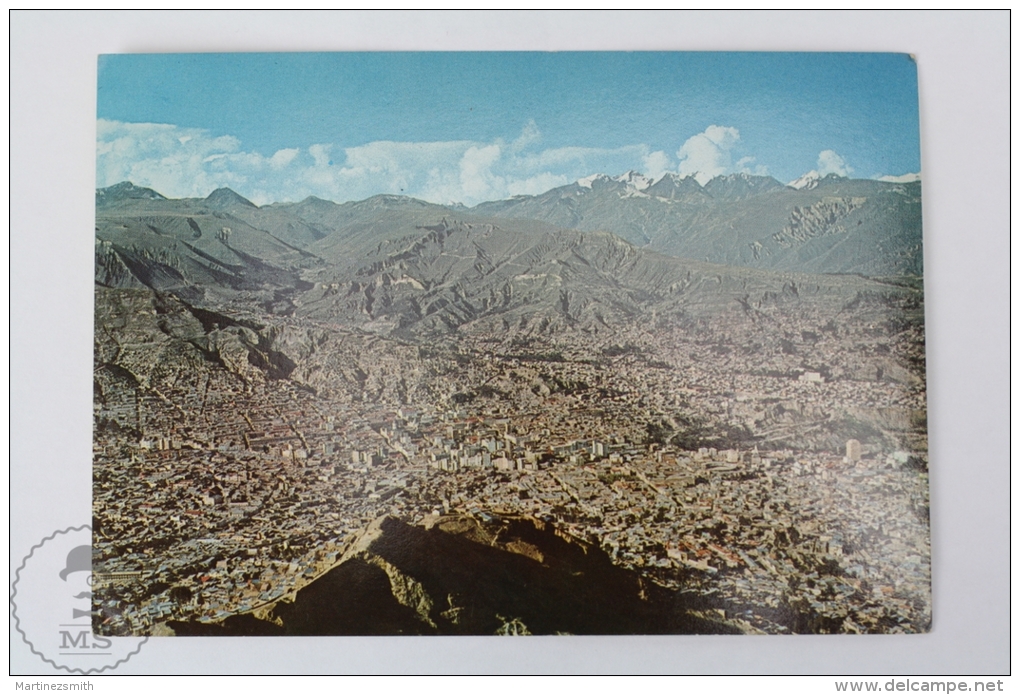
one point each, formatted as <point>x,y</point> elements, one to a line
<point>509,344</point>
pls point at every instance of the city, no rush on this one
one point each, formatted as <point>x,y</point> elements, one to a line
<point>220,492</point>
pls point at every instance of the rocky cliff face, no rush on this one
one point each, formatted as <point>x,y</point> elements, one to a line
<point>823,217</point>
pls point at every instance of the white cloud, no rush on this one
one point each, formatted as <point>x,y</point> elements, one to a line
<point>749,165</point>
<point>283,157</point>
<point>583,160</point>
<point>476,176</point>
<point>175,161</point>
<point>530,134</point>
<point>191,162</point>
<point>539,183</point>
<point>707,155</point>
<point>831,163</point>
<point>320,155</point>
<point>904,178</point>
<point>655,164</point>
<point>828,163</point>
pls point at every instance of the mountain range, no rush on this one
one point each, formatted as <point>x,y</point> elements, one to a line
<point>817,224</point>
<point>396,265</point>
<point>829,224</point>
<point>269,379</point>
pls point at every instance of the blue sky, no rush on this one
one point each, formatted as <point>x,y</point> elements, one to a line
<point>468,127</point>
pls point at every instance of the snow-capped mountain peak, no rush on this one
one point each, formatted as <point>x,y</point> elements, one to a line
<point>806,182</point>
<point>905,178</point>
<point>587,181</point>
<point>811,180</point>
<point>635,180</point>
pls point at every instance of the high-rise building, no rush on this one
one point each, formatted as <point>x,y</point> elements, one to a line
<point>853,450</point>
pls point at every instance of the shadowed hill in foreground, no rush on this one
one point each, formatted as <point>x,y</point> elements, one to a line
<point>459,575</point>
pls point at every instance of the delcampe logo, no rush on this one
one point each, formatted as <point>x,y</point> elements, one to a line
<point>52,606</point>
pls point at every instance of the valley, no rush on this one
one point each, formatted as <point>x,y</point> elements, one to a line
<point>281,389</point>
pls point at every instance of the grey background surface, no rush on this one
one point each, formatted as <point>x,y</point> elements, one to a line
<point>963,62</point>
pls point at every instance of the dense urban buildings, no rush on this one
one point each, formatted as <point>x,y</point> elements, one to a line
<point>750,439</point>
